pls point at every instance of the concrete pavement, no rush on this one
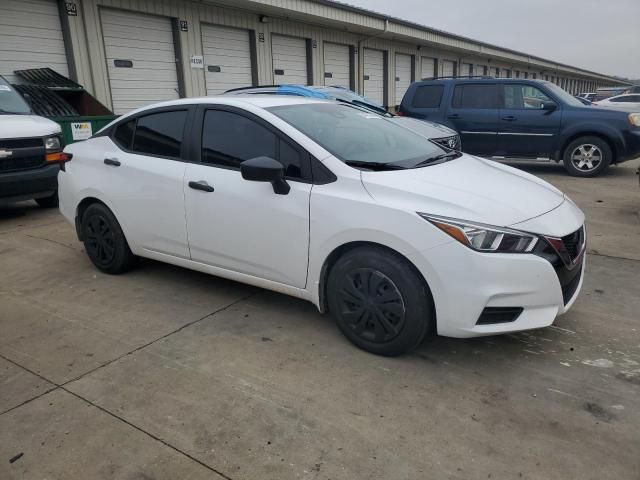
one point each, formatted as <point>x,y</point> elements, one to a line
<point>165,373</point>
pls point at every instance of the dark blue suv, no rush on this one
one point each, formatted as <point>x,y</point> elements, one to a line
<point>521,118</point>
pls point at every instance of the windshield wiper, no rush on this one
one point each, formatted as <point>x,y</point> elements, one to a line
<point>373,165</point>
<point>444,156</point>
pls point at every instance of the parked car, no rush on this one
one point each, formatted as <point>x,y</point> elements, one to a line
<point>521,118</point>
<point>584,101</point>
<point>391,233</point>
<point>30,151</point>
<point>437,132</point>
<point>588,96</point>
<point>626,101</point>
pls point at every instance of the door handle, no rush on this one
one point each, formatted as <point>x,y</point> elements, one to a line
<point>453,116</point>
<point>509,118</point>
<point>201,185</point>
<point>114,162</point>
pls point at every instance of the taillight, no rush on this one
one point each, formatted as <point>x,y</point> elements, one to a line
<point>64,158</point>
<point>400,113</point>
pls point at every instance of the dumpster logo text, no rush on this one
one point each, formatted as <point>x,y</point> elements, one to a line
<point>81,130</point>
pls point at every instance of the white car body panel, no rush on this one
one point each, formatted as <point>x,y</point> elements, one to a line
<point>245,232</point>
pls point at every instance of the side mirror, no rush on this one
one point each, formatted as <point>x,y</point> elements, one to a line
<point>265,169</point>
<point>549,106</point>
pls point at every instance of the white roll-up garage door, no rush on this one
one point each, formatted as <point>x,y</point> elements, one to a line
<point>227,58</point>
<point>337,65</point>
<point>403,75</point>
<point>31,37</point>
<point>448,68</point>
<point>289,60</point>
<point>428,67</point>
<point>141,60</point>
<point>478,70</point>
<point>374,74</point>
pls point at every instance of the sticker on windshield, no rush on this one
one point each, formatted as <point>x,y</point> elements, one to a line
<point>5,88</point>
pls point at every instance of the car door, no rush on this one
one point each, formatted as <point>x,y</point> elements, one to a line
<point>240,225</point>
<point>474,114</point>
<point>142,176</point>
<point>526,128</point>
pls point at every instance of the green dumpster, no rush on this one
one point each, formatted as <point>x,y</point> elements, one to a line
<point>81,127</point>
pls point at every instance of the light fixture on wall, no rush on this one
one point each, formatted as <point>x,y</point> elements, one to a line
<point>264,19</point>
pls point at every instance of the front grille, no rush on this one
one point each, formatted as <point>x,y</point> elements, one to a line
<point>23,163</point>
<point>16,143</point>
<point>573,243</point>
<point>21,154</point>
<point>492,315</point>
<point>570,288</point>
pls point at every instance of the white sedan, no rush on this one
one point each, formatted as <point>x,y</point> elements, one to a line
<point>626,101</point>
<point>392,234</point>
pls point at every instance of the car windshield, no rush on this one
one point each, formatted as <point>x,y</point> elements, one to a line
<point>563,95</point>
<point>10,100</point>
<point>357,136</point>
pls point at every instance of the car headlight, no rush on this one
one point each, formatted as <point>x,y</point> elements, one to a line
<point>52,143</point>
<point>484,238</point>
<point>634,119</point>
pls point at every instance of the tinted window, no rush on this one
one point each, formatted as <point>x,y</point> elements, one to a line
<point>523,97</point>
<point>475,96</point>
<point>160,134</point>
<point>123,135</point>
<point>428,96</point>
<point>228,139</point>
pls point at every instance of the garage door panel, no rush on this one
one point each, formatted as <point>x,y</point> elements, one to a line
<point>31,37</point>
<point>374,69</point>
<point>337,62</point>
<point>229,50</point>
<point>428,67</point>
<point>447,68</point>
<point>403,75</point>
<point>147,41</point>
<point>289,54</point>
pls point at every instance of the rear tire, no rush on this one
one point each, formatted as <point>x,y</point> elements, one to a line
<point>587,157</point>
<point>104,240</point>
<point>379,301</point>
<point>48,202</point>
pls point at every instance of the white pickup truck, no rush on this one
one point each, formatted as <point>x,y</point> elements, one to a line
<point>30,151</point>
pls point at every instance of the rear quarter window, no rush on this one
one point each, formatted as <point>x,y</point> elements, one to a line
<point>428,96</point>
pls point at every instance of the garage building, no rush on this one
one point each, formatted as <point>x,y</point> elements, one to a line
<point>129,53</point>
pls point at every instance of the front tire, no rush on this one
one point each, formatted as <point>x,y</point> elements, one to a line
<point>587,157</point>
<point>104,241</point>
<point>379,301</point>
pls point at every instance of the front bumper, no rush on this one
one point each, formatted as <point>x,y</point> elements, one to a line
<point>464,283</point>
<point>631,146</point>
<point>28,184</point>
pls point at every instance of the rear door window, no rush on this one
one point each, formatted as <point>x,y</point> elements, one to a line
<point>428,96</point>
<point>478,96</point>
<point>160,134</point>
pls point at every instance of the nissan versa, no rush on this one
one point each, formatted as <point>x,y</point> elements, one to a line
<point>392,234</point>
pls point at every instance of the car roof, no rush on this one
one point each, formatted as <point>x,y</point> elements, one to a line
<point>261,101</point>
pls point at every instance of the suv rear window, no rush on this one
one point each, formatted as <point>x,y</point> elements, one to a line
<point>428,96</point>
<point>475,96</point>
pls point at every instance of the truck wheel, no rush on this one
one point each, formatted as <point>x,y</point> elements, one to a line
<point>48,202</point>
<point>104,241</point>
<point>587,157</point>
<point>379,301</point>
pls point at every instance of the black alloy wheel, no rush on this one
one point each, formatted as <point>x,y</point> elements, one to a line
<point>100,240</point>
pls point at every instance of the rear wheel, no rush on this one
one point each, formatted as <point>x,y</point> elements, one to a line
<point>48,202</point>
<point>379,301</point>
<point>587,157</point>
<point>104,241</point>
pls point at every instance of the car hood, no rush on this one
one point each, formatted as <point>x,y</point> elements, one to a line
<point>466,188</point>
<point>21,126</point>
<point>425,128</point>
